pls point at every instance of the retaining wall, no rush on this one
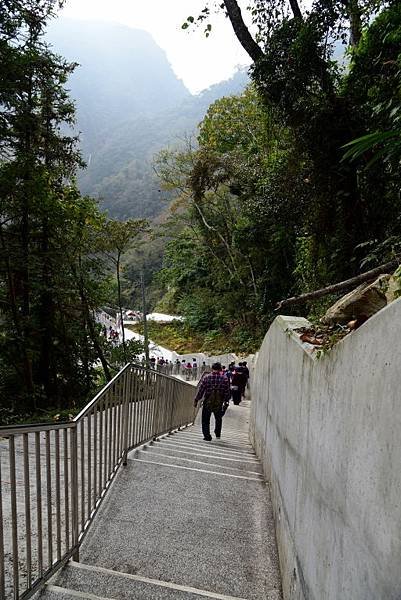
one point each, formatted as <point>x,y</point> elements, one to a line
<point>328,432</point>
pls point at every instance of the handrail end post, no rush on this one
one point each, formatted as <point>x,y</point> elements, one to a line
<point>126,401</point>
<point>74,491</point>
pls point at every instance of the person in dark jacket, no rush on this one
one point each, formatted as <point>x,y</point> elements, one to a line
<point>215,391</point>
<point>238,383</point>
<point>246,370</point>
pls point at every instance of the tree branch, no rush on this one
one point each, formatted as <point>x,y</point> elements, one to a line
<point>342,286</point>
<point>221,238</point>
<point>212,252</point>
<point>242,31</point>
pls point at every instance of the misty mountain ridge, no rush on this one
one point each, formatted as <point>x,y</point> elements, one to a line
<point>130,105</point>
<point>121,70</point>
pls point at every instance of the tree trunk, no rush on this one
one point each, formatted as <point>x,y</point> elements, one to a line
<point>25,244</point>
<point>46,376</point>
<point>96,343</point>
<point>355,19</point>
<point>91,328</point>
<point>222,239</point>
<point>241,30</point>
<point>296,11</point>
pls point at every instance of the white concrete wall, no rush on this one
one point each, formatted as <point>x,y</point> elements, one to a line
<point>328,431</point>
<point>224,359</point>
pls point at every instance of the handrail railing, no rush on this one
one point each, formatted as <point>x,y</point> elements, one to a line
<point>53,478</point>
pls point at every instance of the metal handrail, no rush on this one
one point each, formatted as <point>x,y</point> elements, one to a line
<point>54,477</point>
<point>100,394</point>
<point>6,430</point>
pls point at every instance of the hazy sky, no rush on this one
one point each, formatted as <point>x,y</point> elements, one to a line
<point>198,61</point>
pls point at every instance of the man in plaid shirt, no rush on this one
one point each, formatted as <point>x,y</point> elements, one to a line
<point>217,385</point>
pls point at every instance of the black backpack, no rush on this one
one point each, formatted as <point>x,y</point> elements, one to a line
<point>214,401</point>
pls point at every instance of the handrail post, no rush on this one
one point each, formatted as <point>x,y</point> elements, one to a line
<point>74,491</point>
<point>126,387</point>
<point>2,555</point>
<point>14,544</point>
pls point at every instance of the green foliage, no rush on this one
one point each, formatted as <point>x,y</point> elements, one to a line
<point>374,82</point>
<point>384,144</point>
<point>181,337</point>
<point>310,267</point>
<point>117,238</point>
<point>54,275</point>
<point>146,259</point>
<point>191,21</point>
<point>268,207</point>
<point>214,263</point>
<point>119,355</point>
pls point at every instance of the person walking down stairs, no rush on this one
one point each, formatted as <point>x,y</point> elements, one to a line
<point>238,383</point>
<point>215,389</point>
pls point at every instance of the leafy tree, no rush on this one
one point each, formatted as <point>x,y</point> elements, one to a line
<point>215,265</point>
<point>374,85</point>
<point>118,238</point>
<point>53,275</point>
<point>35,159</point>
<point>295,71</point>
<point>267,204</point>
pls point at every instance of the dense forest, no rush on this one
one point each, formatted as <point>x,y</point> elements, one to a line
<point>292,183</point>
<point>295,183</point>
<point>59,255</point>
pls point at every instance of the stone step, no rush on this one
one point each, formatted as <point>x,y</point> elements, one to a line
<point>207,449</point>
<point>55,592</point>
<point>237,433</point>
<point>222,445</point>
<point>198,455</point>
<point>230,440</point>
<point>160,455</point>
<point>84,581</point>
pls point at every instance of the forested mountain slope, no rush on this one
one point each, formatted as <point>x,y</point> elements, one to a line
<point>130,104</point>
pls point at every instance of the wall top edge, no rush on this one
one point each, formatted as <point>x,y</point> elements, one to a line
<point>288,324</point>
<point>292,322</point>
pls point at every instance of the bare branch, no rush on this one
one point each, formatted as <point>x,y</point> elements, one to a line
<point>221,238</point>
<point>342,286</point>
<point>212,252</point>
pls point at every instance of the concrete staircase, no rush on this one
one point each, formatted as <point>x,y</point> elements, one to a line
<point>186,519</point>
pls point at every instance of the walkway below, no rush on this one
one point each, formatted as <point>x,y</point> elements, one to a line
<point>185,519</point>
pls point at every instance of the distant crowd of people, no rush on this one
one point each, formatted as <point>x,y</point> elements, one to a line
<point>111,334</point>
<point>189,369</point>
<point>236,375</point>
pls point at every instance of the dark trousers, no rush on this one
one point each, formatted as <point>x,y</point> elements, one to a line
<point>236,395</point>
<point>206,414</point>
